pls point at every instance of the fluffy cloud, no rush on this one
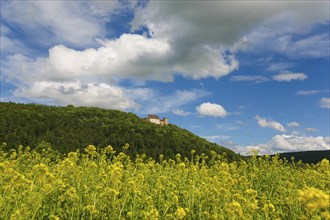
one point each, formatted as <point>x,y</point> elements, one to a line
<point>108,96</point>
<point>128,57</point>
<point>71,22</point>
<point>293,124</point>
<point>216,24</point>
<point>211,109</point>
<point>287,143</point>
<point>206,25</point>
<point>217,21</point>
<point>324,103</point>
<point>180,112</point>
<point>86,94</point>
<point>262,122</point>
<point>253,78</point>
<point>196,40</point>
<point>288,76</point>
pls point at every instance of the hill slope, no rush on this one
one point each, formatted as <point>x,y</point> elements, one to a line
<point>70,128</point>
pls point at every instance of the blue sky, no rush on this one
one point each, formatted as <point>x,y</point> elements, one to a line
<point>243,74</point>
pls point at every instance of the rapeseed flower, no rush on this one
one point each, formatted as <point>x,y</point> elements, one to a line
<point>313,199</point>
<point>180,213</point>
<point>90,185</point>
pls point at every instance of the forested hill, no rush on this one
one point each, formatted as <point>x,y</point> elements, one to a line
<point>70,128</point>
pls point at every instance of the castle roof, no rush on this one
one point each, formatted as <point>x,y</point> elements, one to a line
<point>153,116</point>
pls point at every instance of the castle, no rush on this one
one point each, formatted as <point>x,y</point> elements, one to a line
<point>156,120</point>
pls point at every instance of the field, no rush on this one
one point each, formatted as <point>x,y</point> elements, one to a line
<point>103,184</point>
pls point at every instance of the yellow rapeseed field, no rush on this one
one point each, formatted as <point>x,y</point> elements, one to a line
<point>102,184</point>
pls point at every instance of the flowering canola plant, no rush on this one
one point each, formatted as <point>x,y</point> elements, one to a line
<point>103,184</point>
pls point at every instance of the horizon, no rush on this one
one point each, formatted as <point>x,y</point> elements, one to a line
<point>229,72</point>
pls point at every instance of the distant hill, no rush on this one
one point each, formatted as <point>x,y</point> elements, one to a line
<point>307,156</point>
<point>70,128</point>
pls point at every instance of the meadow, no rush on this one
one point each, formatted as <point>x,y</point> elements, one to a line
<point>104,184</point>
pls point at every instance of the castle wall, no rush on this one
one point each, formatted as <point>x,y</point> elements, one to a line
<point>155,120</point>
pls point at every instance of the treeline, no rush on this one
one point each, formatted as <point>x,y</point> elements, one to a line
<point>306,156</point>
<point>70,128</point>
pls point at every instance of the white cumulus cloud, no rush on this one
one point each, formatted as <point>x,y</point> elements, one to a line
<point>286,143</point>
<point>129,57</point>
<point>262,122</point>
<point>211,109</point>
<point>288,76</point>
<point>220,21</point>
<point>195,40</point>
<point>290,143</point>
<point>77,93</point>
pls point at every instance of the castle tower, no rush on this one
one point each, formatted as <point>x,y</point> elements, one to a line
<point>165,121</point>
